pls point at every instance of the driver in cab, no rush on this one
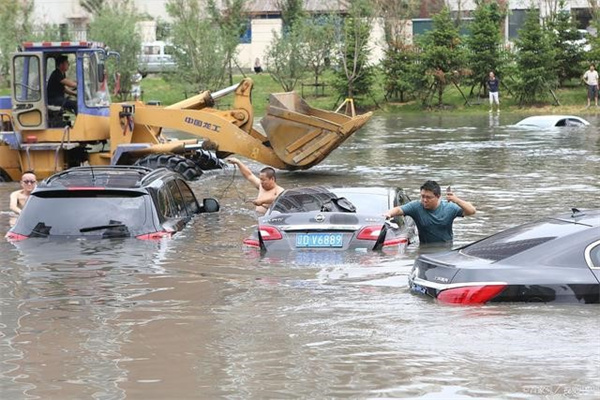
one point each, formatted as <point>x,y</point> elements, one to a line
<point>59,86</point>
<point>266,183</point>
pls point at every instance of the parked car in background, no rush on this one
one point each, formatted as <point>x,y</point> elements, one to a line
<point>555,259</point>
<point>328,219</point>
<point>109,202</point>
<point>156,57</point>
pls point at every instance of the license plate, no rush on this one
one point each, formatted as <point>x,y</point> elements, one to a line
<point>317,240</point>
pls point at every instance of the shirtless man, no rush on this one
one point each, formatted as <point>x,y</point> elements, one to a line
<point>268,189</point>
<point>18,198</point>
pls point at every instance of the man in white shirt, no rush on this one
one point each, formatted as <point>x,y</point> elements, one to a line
<point>591,80</point>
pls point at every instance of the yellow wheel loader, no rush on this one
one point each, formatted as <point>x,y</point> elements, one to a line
<point>46,138</point>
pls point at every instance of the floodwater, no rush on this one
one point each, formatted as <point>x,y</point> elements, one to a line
<point>196,317</point>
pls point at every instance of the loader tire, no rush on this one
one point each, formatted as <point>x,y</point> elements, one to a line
<point>207,160</point>
<point>4,176</point>
<point>173,162</point>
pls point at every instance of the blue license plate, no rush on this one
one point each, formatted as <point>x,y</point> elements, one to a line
<point>317,240</point>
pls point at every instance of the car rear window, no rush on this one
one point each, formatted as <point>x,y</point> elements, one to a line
<point>516,240</point>
<point>66,216</point>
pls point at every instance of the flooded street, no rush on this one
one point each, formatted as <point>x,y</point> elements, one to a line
<point>197,317</point>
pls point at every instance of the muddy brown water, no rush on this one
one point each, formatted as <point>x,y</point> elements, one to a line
<point>198,317</point>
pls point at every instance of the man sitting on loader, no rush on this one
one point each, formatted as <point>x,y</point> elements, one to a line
<point>59,84</point>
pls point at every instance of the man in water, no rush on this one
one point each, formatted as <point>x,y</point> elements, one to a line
<point>266,183</point>
<point>434,216</point>
<point>18,198</point>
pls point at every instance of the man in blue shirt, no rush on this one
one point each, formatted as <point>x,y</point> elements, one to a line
<point>434,216</point>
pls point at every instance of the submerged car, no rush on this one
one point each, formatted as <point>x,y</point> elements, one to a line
<point>549,121</point>
<point>321,218</point>
<point>550,260</point>
<point>109,202</point>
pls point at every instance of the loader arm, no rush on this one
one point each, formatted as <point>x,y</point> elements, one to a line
<point>297,135</point>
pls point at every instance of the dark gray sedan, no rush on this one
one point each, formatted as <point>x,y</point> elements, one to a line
<point>326,219</point>
<point>553,259</point>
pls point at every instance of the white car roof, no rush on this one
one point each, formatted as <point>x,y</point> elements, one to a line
<point>547,121</point>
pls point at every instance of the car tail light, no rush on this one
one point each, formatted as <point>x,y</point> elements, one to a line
<point>15,237</point>
<point>252,243</point>
<point>395,242</point>
<point>370,232</point>
<point>470,294</point>
<point>268,232</point>
<point>154,235</point>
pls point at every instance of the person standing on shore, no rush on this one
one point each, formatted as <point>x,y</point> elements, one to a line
<point>493,86</point>
<point>591,80</point>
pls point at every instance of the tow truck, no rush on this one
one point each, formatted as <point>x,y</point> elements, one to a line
<point>46,139</point>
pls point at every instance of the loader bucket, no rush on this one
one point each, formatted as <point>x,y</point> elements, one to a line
<point>302,136</point>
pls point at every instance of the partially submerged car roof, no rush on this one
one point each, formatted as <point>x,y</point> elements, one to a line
<point>548,121</point>
<point>117,177</point>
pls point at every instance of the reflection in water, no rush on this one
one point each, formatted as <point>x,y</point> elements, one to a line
<point>198,316</point>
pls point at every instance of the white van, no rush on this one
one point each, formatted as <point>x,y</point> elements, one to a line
<point>156,57</point>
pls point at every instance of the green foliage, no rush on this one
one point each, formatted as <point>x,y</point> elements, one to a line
<point>318,34</point>
<point>593,56</point>
<point>230,18</point>
<point>285,59</point>
<point>163,30</point>
<point>16,26</point>
<point>400,71</point>
<point>201,52</point>
<point>355,75</point>
<point>569,55</point>
<point>115,26</point>
<point>443,56</point>
<point>484,42</point>
<point>535,60</point>
<point>292,13</point>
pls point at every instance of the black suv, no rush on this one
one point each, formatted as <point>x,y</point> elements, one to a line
<point>109,202</point>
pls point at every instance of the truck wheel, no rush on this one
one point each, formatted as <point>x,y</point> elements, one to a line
<point>207,160</point>
<point>173,162</point>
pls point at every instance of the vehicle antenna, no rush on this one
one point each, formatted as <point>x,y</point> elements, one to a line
<point>93,176</point>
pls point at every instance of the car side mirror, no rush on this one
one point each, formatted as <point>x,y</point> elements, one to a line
<point>210,205</point>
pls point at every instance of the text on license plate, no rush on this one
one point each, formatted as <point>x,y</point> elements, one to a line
<point>319,240</point>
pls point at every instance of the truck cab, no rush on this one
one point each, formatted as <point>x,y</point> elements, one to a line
<point>31,69</point>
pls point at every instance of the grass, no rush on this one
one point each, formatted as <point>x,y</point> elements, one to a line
<point>572,98</point>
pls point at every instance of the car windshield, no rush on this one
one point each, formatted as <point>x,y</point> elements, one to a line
<point>106,215</point>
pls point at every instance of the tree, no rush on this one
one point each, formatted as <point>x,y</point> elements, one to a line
<point>442,55</point>
<point>292,13</point>
<point>317,34</point>
<point>355,75</point>
<point>114,24</point>
<point>484,42</point>
<point>200,50</point>
<point>286,53</point>
<point>231,21</point>
<point>535,60</point>
<point>564,35</point>
<point>399,64</point>
<point>15,19</point>
<point>285,59</point>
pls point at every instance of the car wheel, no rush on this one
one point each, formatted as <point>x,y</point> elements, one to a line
<point>173,162</point>
<point>207,160</point>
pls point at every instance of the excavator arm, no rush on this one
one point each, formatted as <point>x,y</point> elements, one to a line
<point>297,135</point>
